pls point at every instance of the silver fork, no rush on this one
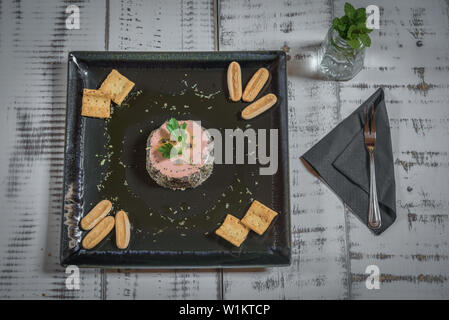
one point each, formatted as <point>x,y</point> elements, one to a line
<point>374,219</point>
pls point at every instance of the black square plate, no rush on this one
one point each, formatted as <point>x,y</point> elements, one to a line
<point>105,159</point>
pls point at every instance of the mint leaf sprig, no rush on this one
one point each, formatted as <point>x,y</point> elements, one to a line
<point>173,125</point>
<point>352,27</point>
<point>179,132</point>
<point>165,150</point>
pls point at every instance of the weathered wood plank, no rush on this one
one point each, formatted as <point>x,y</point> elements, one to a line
<point>319,268</point>
<point>162,284</point>
<point>409,57</point>
<point>163,26</point>
<point>34,44</point>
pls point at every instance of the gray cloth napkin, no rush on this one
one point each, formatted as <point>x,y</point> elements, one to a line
<point>341,160</point>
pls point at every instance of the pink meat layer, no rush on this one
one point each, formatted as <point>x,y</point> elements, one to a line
<point>180,166</point>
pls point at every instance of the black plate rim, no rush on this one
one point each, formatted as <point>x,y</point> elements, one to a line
<point>72,258</point>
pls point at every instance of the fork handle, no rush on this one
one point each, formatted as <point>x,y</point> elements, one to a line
<point>374,219</point>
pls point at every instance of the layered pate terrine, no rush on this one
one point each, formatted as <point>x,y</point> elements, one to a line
<point>187,168</point>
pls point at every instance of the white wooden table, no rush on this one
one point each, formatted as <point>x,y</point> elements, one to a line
<point>331,248</point>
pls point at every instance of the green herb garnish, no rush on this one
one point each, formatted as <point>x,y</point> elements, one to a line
<point>166,150</point>
<point>172,125</point>
<point>180,134</point>
<point>352,27</point>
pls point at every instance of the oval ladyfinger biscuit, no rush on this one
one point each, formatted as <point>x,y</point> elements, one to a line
<point>98,233</point>
<point>259,106</point>
<point>122,230</point>
<point>234,81</point>
<point>95,215</point>
<point>256,84</point>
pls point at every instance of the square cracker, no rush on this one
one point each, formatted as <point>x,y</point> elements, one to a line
<point>116,86</point>
<point>95,104</point>
<point>233,231</point>
<point>258,217</point>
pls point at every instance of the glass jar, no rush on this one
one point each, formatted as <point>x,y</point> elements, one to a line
<point>337,60</point>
